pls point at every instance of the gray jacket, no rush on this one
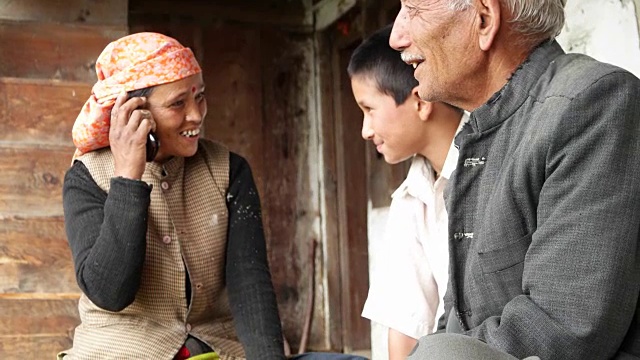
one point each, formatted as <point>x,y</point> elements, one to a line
<point>544,212</point>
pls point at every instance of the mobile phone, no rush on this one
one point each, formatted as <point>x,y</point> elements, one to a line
<point>153,144</point>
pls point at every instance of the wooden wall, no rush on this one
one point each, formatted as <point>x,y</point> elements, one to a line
<point>47,52</point>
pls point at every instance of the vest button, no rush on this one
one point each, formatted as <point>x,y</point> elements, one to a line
<point>166,239</point>
<point>199,286</point>
<point>165,185</point>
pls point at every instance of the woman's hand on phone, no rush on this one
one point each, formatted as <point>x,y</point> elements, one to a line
<point>130,124</point>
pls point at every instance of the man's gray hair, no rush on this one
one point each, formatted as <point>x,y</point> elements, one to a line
<point>537,19</point>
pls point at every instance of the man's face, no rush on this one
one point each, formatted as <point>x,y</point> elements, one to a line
<point>439,43</point>
<point>395,130</point>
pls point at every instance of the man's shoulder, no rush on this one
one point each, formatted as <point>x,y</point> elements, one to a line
<point>569,75</point>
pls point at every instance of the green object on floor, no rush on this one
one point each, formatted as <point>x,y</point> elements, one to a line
<point>206,356</point>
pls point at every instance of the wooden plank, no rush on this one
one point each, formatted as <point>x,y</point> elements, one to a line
<point>53,51</point>
<point>31,182</point>
<point>289,212</point>
<point>40,111</point>
<point>291,14</point>
<point>330,211</point>
<point>111,12</point>
<point>35,328</point>
<point>32,317</point>
<point>40,296</point>
<point>234,92</point>
<point>352,200</point>
<point>33,347</point>
<point>35,256</point>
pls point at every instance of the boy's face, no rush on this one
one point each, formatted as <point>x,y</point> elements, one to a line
<point>395,130</point>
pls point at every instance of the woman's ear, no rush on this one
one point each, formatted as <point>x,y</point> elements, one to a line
<point>423,108</point>
<point>488,13</point>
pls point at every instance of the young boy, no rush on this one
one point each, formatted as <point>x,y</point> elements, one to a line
<point>406,293</point>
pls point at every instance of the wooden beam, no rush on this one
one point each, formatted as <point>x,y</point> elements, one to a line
<point>31,181</point>
<point>44,346</point>
<point>40,111</point>
<point>36,328</point>
<point>104,12</point>
<point>35,257</point>
<point>40,296</point>
<point>30,317</point>
<point>289,212</point>
<point>330,212</point>
<point>53,51</point>
<point>291,14</point>
<point>352,206</point>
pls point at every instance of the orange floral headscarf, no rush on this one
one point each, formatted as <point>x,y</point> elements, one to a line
<point>130,63</point>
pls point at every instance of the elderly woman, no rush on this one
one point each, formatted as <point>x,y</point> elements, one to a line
<point>166,235</point>
<point>169,253</point>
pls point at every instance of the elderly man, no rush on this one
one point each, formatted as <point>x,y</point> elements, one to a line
<point>544,207</point>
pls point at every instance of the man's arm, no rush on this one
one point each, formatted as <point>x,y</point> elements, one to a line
<point>581,274</point>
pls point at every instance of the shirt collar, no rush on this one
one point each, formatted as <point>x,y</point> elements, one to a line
<point>420,178</point>
<point>452,156</point>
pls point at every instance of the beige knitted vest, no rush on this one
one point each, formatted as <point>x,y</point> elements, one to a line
<point>186,232</point>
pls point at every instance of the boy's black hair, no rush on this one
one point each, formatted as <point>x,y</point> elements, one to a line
<point>374,58</point>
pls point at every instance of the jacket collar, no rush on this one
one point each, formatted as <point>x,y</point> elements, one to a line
<point>506,101</point>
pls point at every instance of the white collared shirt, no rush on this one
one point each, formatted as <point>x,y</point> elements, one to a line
<point>407,287</point>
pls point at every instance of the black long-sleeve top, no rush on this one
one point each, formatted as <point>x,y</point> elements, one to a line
<point>107,237</point>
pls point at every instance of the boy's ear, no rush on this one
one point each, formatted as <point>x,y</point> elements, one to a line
<point>488,22</point>
<point>423,107</point>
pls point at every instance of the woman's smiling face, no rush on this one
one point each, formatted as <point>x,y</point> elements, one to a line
<point>178,109</point>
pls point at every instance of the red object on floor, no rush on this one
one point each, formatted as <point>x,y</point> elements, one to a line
<point>182,354</point>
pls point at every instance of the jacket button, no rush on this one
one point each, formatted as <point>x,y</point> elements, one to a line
<point>460,236</point>
<point>165,185</point>
<point>166,239</point>
<point>188,327</point>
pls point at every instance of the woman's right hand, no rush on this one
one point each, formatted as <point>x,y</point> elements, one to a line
<point>130,125</point>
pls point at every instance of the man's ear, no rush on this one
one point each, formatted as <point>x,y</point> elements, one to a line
<point>488,13</point>
<point>423,107</point>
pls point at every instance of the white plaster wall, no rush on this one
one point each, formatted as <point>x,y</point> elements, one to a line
<point>606,30</point>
